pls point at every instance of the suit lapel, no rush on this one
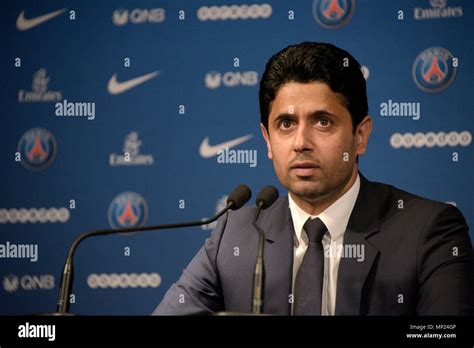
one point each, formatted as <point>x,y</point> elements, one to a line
<point>278,227</point>
<point>354,272</point>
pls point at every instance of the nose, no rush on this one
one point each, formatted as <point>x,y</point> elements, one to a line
<point>303,141</point>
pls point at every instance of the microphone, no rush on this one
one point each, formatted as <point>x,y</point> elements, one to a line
<point>265,199</point>
<point>236,200</point>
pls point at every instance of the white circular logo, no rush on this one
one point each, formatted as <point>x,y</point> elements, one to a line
<point>431,139</point>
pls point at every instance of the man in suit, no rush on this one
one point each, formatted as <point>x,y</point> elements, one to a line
<point>339,244</point>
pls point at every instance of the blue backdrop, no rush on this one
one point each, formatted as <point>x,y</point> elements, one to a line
<point>111,111</point>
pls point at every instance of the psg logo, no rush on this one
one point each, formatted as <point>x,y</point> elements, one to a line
<point>434,70</point>
<point>37,148</point>
<point>333,14</point>
<point>128,209</point>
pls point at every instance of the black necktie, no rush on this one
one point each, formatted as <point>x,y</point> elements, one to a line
<point>309,280</point>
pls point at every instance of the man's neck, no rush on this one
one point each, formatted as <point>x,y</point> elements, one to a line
<point>316,207</point>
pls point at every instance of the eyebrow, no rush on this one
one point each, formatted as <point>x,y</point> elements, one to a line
<point>317,113</point>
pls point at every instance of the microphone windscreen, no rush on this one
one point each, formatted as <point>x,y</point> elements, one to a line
<point>267,196</point>
<point>239,196</point>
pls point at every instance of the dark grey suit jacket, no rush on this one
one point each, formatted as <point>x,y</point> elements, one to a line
<point>418,260</point>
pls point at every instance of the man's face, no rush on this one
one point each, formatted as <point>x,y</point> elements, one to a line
<point>311,142</point>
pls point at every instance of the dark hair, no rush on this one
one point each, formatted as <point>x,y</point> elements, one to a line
<point>310,62</point>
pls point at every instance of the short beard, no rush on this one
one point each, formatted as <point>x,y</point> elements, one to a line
<point>318,190</point>
<point>308,193</point>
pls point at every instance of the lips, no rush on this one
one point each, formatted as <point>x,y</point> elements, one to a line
<point>304,168</point>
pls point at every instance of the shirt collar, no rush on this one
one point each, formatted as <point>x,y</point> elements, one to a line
<point>335,217</point>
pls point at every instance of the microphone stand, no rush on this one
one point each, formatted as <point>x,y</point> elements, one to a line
<point>257,301</point>
<point>66,279</point>
<point>236,200</point>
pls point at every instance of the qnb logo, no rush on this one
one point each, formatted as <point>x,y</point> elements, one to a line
<point>122,16</point>
<point>128,209</point>
<point>13,283</point>
<point>434,69</point>
<point>234,12</point>
<point>333,14</point>
<point>438,10</point>
<point>215,79</point>
<point>123,280</point>
<point>430,139</point>
<point>37,149</point>
<point>34,215</point>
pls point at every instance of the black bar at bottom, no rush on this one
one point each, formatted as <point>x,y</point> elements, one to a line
<point>235,329</point>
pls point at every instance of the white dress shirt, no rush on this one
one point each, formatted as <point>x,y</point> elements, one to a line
<point>335,217</point>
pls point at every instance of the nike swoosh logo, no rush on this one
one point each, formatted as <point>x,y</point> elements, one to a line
<point>208,151</point>
<point>23,23</point>
<point>115,87</point>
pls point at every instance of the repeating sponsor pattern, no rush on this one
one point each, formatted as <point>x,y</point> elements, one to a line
<point>123,280</point>
<point>430,139</point>
<point>34,215</point>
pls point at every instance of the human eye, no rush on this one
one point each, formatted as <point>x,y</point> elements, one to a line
<point>285,124</point>
<point>324,122</point>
